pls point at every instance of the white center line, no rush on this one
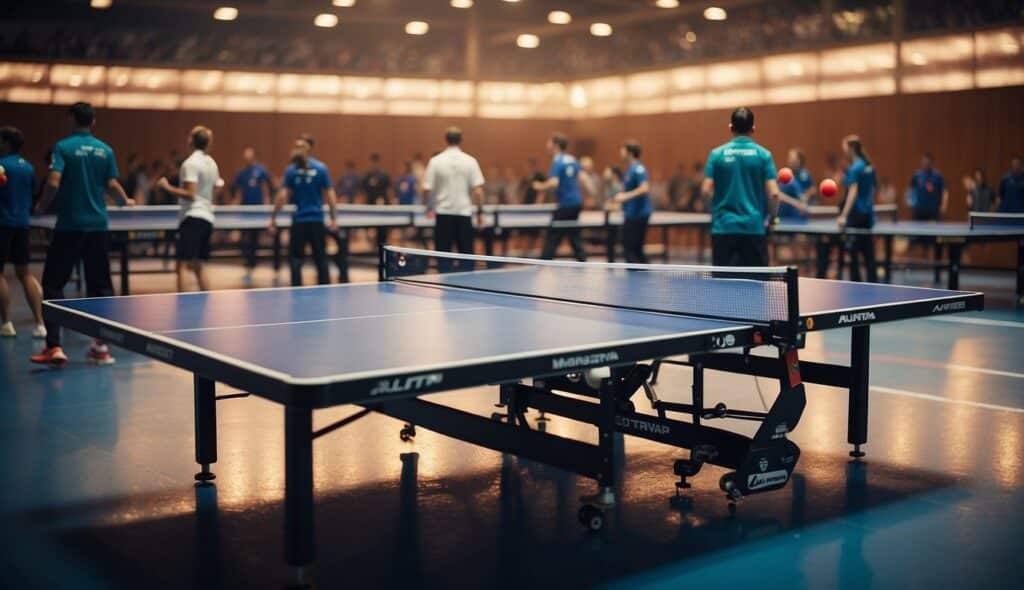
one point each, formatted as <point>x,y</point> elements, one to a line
<point>324,320</point>
<point>979,322</point>
<point>946,400</point>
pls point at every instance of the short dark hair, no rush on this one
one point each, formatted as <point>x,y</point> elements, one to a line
<point>83,114</point>
<point>1018,158</point>
<point>453,135</point>
<point>633,147</point>
<point>13,137</point>
<point>374,157</point>
<point>560,140</point>
<point>742,120</point>
<point>201,137</point>
<point>928,155</point>
<point>308,139</point>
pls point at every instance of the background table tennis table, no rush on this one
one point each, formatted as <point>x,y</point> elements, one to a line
<point>155,224</point>
<point>953,237</point>
<point>345,347</point>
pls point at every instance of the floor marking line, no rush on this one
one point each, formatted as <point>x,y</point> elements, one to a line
<point>979,322</point>
<point>945,400</point>
<point>324,320</point>
<point>899,360</point>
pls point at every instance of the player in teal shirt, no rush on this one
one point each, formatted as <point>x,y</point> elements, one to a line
<point>83,171</point>
<point>858,210</point>
<point>15,204</point>
<point>740,179</point>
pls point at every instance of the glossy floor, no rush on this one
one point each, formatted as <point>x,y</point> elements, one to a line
<point>96,486</point>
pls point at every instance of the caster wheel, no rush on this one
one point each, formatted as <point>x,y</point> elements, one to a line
<point>407,433</point>
<point>592,517</point>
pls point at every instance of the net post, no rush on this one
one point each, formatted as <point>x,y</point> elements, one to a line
<point>382,264</point>
<point>793,303</point>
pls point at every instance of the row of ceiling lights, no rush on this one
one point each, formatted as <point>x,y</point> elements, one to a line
<point>416,27</point>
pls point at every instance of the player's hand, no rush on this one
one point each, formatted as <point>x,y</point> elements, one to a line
<point>841,221</point>
<point>332,224</point>
<point>128,202</point>
<point>163,183</point>
<point>611,205</point>
<point>272,228</point>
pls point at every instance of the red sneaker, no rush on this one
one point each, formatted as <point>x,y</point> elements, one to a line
<point>99,354</point>
<point>53,356</point>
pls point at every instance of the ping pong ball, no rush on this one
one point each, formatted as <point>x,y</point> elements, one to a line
<point>828,187</point>
<point>785,176</point>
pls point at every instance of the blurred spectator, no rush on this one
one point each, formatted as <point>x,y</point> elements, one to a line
<point>534,173</point>
<point>376,184</point>
<point>980,197</point>
<point>348,183</point>
<point>590,184</point>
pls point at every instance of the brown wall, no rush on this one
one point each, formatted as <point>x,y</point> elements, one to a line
<point>963,130</point>
<point>152,134</point>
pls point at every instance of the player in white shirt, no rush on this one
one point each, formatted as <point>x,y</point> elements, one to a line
<point>451,182</point>
<point>199,178</point>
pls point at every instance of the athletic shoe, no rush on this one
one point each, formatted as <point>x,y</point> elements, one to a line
<point>39,332</point>
<point>50,356</point>
<point>7,330</point>
<point>99,354</point>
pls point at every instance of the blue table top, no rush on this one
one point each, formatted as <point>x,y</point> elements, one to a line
<point>308,335</point>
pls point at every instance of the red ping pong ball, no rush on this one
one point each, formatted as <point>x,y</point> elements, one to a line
<point>785,176</point>
<point>828,187</point>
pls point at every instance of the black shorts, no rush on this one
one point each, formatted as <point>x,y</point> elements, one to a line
<point>194,239</point>
<point>13,246</point>
<point>739,250</point>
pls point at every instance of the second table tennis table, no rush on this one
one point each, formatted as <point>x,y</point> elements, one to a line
<point>540,330</point>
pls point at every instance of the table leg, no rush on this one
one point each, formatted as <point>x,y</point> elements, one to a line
<point>888,258</point>
<point>860,349</point>
<point>124,268</point>
<point>955,253</point>
<point>1020,272</point>
<point>298,492</point>
<point>938,261</point>
<point>206,427</point>
<point>277,251</point>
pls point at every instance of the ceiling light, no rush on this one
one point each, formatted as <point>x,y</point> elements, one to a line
<point>344,3</point>
<point>918,59</point>
<point>326,20</point>
<point>416,27</point>
<point>667,3</point>
<point>462,3</point>
<point>715,13</point>
<point>601,29</point>
<point>559,17</point>
<point>527,41</point>
<point>225,13</point>
<point>100,4</point>
<point>691,37</point>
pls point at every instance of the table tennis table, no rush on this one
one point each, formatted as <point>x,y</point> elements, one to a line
<point>538,330</point>
<point>494,224</point>
<point>953,237</point>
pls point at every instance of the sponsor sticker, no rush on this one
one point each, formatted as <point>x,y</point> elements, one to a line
<point>584,360</point>
<point>856,318</point>
<point>951,306</point>
<point>756,481</point>
<point>406,384</point>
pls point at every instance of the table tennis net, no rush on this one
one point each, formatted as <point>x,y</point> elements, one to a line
<point>758,295</point>
<point>997,220</point>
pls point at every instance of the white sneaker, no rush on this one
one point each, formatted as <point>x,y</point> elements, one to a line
<point>39,332</point>
<point>7,330</point>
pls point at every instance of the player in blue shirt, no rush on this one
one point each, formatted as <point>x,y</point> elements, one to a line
<point>252,186</point>
<point>19,182</point>
<point>407,188</point>
<point>348,183</point>
<point>635,200</point>
<point>929,196</point>
<point>307,183</point>
<point>740,178</point>
<point>858,210</point>
<point>1011,188</point>
<point>564,179</point>
<point>83,171</point>
<point>796,194</point>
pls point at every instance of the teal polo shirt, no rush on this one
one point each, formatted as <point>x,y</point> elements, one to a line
<point>86,165</point>
<point>740,169</point>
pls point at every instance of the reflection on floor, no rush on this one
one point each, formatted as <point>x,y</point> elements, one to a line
<point>96,490</point>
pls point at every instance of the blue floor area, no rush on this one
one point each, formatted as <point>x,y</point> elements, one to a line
<point>96,487</point>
